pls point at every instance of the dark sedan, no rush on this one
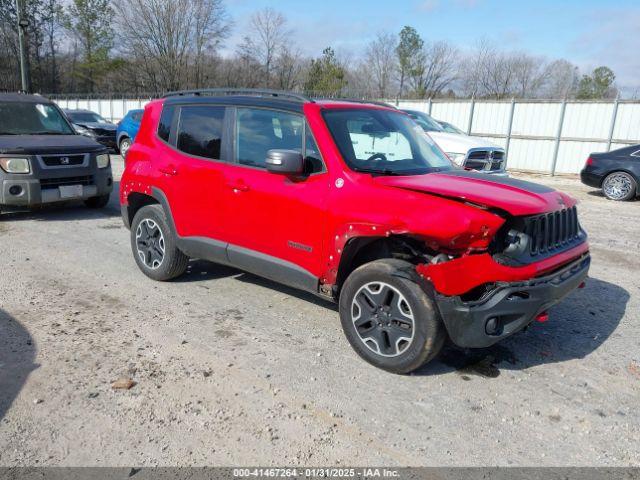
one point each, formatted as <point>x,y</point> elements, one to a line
<point>616,172</point>
<point>92,125</point>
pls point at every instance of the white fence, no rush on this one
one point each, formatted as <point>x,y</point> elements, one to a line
<point>539,136</point>
<point>542,136</point>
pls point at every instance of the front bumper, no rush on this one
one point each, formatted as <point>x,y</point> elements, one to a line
<point>509,307</point>
<point>42,185</point>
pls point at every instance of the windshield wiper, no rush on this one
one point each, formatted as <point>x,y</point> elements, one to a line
<point>47,133</point>
<point>384,171</point>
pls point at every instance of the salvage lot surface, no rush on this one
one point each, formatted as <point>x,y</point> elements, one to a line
<point>231,369</point>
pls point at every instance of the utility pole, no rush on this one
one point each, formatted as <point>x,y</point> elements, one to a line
<point>23,23</point>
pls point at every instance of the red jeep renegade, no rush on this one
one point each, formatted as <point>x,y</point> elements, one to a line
<point>353,202</point>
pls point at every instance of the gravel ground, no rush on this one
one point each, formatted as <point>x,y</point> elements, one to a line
<point>231,369</point>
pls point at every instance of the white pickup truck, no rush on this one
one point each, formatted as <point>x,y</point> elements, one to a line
<point>472,153</point>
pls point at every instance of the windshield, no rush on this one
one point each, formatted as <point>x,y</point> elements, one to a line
<point>384,142</point>
<point>85,117</point>
<point>32,119</point>
<point>447,127</point>
<point>427,123</point>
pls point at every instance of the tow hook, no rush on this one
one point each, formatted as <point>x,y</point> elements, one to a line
<point>542,317</point>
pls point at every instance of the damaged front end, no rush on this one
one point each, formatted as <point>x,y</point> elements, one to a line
<point>531,263</point>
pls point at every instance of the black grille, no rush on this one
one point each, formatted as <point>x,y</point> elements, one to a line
<point>62,160</point>
<point>485,154</point>
<point>46,183</point>
<point>476,165</point>
<point>485,160</point>
<point>478,155</point>
<point>552,231</point>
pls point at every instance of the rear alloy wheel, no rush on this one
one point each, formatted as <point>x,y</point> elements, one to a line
<point>125,143</point>
<point>150,244</point>
<point>389,320</point>
<point>154,246</point>
<point>619,186</point>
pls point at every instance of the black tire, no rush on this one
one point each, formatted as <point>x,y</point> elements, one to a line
<point>124,145</point>
<point>624,186</point>
<point>173,262</point>
<point>98,202</point>
<point>428,332</point>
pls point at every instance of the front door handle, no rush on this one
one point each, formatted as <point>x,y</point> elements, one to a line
<point>168,170</point>
<point>239,187</point>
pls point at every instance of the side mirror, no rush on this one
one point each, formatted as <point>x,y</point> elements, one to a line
<point>287,162</point>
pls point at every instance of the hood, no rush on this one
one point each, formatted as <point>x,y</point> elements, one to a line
<point>456,143</point>
<point>103,126</point>
<point>516,197</point>
<point>37,144</point>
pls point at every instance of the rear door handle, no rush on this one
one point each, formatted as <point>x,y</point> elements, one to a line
<point>168,170</point>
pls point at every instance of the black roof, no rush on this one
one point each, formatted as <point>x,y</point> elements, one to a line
<point>23,98</point>
<point>236,100</point>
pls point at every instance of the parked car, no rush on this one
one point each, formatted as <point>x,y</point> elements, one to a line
<point>128,129</point>
<point>471,153</point>
<point>616,172</point>
<point>350,202</point>
<point>43,159</point>
<point>92,125</point>
<point>450,128</point>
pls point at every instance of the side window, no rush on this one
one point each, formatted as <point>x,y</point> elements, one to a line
<point>164,125</point>
<point>137,116</point>
<point>261,130</point>
<point>313,160</point>
<point>200,131</point>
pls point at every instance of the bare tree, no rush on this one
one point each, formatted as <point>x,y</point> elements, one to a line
<point>267,38</point>
<point>170,37</point>
<point>436,69</point>
<point>530,74</point>
<point>561,80</point>
<point>288,70</point>
<point>380,63</point>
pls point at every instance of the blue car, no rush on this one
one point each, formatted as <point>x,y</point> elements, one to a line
<point>128,129</point>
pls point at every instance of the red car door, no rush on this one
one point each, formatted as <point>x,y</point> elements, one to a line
<point>192,170</point>
<point>278,216</point>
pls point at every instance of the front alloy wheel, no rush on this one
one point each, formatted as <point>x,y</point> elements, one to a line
<point>389,319</point>
<point>382,319</point>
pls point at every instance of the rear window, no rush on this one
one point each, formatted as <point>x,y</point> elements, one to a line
<point>200,131</point>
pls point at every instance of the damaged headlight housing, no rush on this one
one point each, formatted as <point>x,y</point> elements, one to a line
<point>15,165</point>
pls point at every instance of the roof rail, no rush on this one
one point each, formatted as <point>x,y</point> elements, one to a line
<point>361,100</point>
<point>241,91</point>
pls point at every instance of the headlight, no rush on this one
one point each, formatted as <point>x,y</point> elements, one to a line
<point>15,165</point>
<point>102,160</point>
<point>84,131</point>
<point>457,158</point>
